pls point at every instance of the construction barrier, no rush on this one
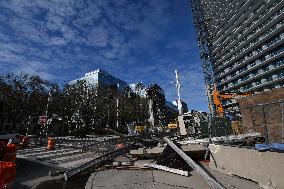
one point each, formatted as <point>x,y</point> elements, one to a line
<point>10,154</point>
<point>50,144</point>
<point>120,146</point>
<point>7,174</point>
<point>3,146</point>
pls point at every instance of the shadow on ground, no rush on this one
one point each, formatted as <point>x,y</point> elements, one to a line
<point>29,172</point>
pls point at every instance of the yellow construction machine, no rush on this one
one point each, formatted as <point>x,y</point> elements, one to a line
<point>172,126</point>
<point>140,129</point>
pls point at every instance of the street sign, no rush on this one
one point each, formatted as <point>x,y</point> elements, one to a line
<point>42,120</point>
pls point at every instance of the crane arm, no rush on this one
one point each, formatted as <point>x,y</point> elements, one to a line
<point>217,99</point>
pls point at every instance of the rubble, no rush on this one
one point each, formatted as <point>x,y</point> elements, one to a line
<point>74,157</point>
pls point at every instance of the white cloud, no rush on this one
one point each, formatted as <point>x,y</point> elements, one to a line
<point>57,41</point>
<point>97,37</point>
<point>51,36</point>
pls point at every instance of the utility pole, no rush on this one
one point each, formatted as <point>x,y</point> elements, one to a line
<point>28,125</point>
<point>178,86</point>
<point>45,127</point>
<point>181,123</point>
<point>117,110</point>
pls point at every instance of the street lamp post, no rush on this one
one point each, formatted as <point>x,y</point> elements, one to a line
<point>45,126</point>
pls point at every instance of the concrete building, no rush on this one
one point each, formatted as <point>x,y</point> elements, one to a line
<point>139,89</point>
<point>183,105</point>
<point>245,43</point>
<point>101,78</point>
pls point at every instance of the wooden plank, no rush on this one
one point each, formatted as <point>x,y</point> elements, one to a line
<point>168,169</point>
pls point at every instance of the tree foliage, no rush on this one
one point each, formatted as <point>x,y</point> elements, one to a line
<point>156,94</point>
<point>81,108</point>
<point>22,95</point>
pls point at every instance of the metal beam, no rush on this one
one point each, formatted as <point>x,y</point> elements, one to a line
<point>96,162</point>
<point>211,181</point>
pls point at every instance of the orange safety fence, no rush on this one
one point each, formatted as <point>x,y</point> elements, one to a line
<point>3,146</point>
<point>10,154</point>
<point>7,174</point>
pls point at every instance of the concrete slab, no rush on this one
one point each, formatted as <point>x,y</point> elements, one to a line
<point>143,179</point>
<point>193,181</point>
<point>122,177</point>
<point>231,182</point>
<point>151,185</point>
<point>266,168</point>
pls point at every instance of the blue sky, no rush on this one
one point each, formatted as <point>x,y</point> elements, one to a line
<point>135,40</point>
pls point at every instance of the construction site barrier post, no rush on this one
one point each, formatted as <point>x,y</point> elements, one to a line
<point>50,144</point>
<point>10,154</point>
<point>7,174</point>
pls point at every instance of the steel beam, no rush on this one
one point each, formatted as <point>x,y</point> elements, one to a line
<point>211,181</point>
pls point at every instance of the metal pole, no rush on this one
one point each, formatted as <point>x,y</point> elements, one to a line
<point>178,86</point>
<point>211,181</point>
<point>27,129</point>
<point>46,112</point>
<point>282,108</point>
<point>117,110</point>
<point>265,125</point>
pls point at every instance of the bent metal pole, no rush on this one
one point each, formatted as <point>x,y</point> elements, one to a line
<point>212,182</point>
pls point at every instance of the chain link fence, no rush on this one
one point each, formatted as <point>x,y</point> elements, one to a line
<point>265,118</point>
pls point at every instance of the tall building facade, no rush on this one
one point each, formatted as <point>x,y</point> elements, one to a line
<point>101,78</point>
<point>242,44</point>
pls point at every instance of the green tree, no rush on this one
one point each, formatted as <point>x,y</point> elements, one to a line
<point>156,95</point>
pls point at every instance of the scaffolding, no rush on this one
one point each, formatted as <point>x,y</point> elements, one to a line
<point>203,39</point>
